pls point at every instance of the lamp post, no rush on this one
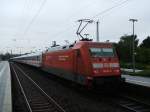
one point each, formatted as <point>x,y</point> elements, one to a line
<point>97,31</point>
<point>133,45</point>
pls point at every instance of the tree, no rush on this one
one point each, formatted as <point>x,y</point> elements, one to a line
<point>143,52</point>
<point>143,55</point>
<point>124,47</point>
<point>146,43</point>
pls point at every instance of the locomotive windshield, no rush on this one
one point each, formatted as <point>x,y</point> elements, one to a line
<point>100,52</point>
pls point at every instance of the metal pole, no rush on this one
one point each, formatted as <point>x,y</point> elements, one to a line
<point>133,47</point>
<point>97,31</point>
<point>11,53</point>
<point>20,51</point>
<point>133,51</point>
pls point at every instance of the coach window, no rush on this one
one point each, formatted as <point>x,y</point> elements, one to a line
<point>37,58</point>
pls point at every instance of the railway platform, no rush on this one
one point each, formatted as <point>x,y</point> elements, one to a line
<point>143,81</point>
<point>5,87</point>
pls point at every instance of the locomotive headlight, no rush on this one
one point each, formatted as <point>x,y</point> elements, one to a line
<point>97,65</point>
<point>117,71</point>
<point>96,71</point>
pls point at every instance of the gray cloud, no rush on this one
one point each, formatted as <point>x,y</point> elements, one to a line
<point>57,21</point>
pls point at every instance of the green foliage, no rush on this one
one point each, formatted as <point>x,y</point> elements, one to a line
<point>143,52</point>
<point>146,43</point>
<point>143,55</point>
<point>125,51</point>
<point>7,56</point>
<point>130,66</point>
<point>126,65</point>
<point>124,47</point>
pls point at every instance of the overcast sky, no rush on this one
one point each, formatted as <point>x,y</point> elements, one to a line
<point>34,24</point>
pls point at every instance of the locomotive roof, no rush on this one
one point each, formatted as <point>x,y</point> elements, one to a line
<point>65,47</point>
<point>95,42</point>
<point>28,55</point>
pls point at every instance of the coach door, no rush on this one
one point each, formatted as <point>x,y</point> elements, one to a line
<point>75,65</point>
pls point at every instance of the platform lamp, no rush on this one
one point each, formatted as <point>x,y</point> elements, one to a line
<point>133,45</point>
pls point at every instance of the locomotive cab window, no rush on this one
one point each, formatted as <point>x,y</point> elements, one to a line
<point>95,52</point>
<point>108,51</point>
<point>99,52</point>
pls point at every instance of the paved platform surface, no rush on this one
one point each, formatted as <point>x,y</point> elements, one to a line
<point>130,70</point>
<point>144,81</point>
<point>5,87</point>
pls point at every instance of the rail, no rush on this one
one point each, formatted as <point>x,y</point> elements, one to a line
<point>35,97</point>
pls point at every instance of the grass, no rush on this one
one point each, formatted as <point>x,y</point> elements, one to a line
<point>144,67</point>
<point>144,73</point>
<point>137,65</point>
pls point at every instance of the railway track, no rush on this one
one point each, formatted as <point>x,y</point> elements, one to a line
<point>36,99</point>
<point>132,104</point>
<point>126,103</point>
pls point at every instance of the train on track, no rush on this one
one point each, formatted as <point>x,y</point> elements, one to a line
<point>84,62</point>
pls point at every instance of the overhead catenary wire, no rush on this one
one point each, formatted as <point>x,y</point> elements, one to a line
<point>109,9</point>
<point>35,16</point>
<point>121,2</point>
<point>22,15</point>
<point>118,4</point>
<point>28,5</point>
<point>14,40</point>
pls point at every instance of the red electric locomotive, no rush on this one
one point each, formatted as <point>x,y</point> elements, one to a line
<point>85,62</point>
